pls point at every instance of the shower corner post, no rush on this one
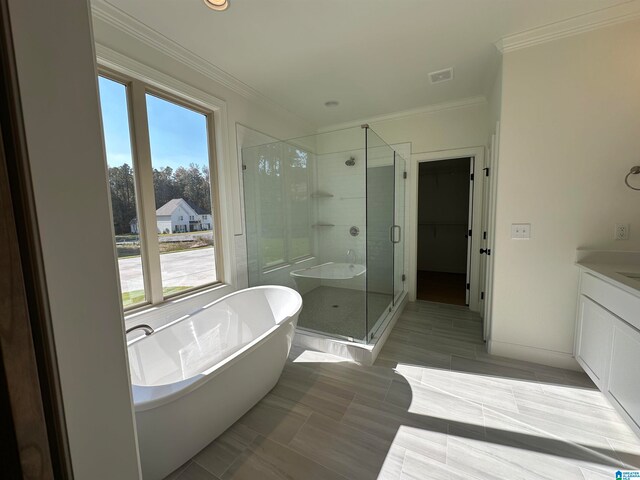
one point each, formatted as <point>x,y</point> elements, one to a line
<point>367,338</point>
<point>393,225</point>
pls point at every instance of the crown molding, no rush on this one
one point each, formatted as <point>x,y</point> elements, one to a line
<point>427,109</point>
<point>605,17</point>
<point>120,20</point>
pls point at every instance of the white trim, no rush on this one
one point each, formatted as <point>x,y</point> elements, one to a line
<point>493,164</point>
<point>412,217</point>
<point>122,64</point>
<point>572,26</point>
<point>528,353</point>
<point>116,18</point>
<point>427,109</point>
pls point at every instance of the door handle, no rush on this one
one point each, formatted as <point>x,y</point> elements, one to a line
<point>392,231</point>
<point>485,250</point>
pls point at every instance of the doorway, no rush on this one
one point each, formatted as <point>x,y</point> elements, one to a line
<point>445,196</point>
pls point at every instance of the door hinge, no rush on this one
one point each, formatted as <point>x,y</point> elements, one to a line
<point>404,277</point>
<point>404,175</point>
<point>244,167</point>
<point>468,286</point>
<point>481,295</point>
<point>486,171</point>
<point>470,232</point>
<point>472,177</point>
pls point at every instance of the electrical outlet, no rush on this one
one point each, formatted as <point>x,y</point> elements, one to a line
<point>621,232</point>
<point>520,231</point>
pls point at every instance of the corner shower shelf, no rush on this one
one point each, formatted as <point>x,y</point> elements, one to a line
<point>321,195</point>
<point>315,225</point>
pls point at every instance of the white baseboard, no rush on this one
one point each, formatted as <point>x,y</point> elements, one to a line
<point>533,354</point>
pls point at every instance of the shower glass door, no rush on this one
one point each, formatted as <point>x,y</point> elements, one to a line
<point>398,229</point>
<point>380,197</point>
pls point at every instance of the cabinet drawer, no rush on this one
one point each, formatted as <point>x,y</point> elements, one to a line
<point>624,377</point>
<point>614,299</point>
<point>594,340</point>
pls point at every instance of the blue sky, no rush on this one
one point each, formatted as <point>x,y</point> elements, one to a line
<point>178,135</point>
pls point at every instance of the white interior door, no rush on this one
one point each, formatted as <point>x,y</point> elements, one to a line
<point>484,227</point>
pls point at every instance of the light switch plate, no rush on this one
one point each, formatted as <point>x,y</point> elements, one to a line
<point>520,231</point>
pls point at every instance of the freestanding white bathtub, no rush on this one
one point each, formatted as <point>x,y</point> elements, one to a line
<point>331,271</point>
<point>331,274</point>
<point>195,378</point>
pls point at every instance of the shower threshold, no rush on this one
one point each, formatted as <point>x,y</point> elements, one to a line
<point>348,347</point>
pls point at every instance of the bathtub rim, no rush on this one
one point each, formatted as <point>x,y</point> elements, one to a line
<point>190,384</point>
<point>296,274</point>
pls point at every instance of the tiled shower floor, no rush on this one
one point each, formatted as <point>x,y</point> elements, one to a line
<point>341,311</point>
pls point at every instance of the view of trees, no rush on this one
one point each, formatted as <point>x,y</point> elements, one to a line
<point>123,197</point>
<point>190,183</point>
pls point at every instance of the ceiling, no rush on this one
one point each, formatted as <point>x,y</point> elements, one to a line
<point>373,56</point>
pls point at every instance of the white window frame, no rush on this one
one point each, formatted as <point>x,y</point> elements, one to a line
<point>141,79</point>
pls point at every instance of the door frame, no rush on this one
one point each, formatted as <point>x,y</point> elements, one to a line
<point>477,154</point>
<point>33,417</point>
<point>492,163</point>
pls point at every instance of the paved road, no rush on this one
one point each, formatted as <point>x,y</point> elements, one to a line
<point>188,268</point>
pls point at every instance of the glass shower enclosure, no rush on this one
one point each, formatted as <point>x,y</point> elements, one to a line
<point>324,214</point>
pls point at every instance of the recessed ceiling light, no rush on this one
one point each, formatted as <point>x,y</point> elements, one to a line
<point>331,103</point>
<point>441,75</point>
<point>217,4</point>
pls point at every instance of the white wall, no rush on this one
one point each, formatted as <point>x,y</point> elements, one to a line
<point>495,100</point>
<point>569,133</point>
<point>345,209</point>
<point>58,87</point>
<point>446,129</point>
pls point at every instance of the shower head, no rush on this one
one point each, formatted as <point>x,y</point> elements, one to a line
<point>351,162</point>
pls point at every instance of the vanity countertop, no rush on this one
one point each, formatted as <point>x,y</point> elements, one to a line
<point>619,268</point>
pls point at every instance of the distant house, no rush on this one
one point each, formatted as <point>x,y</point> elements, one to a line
<point>177,216</point>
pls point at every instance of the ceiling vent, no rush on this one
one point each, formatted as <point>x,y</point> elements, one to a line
<point>441,75</point>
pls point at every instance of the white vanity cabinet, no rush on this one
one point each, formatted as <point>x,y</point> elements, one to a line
<point>624,375</point>
<point>607,342</point>
<point>593,342</point>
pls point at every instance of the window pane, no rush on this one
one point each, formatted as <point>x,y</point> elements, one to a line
<point>115,121</point>
<point>271,196</point>
<point>298,186</point>
<point>180,160</point>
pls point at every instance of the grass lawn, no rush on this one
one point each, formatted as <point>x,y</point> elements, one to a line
<point>137,296</point>
<point>132,250</point>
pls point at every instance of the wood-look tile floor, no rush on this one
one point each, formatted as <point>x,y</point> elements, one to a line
<point>434,406</point>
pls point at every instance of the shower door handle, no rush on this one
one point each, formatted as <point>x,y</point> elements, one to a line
<point>392,232</point>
